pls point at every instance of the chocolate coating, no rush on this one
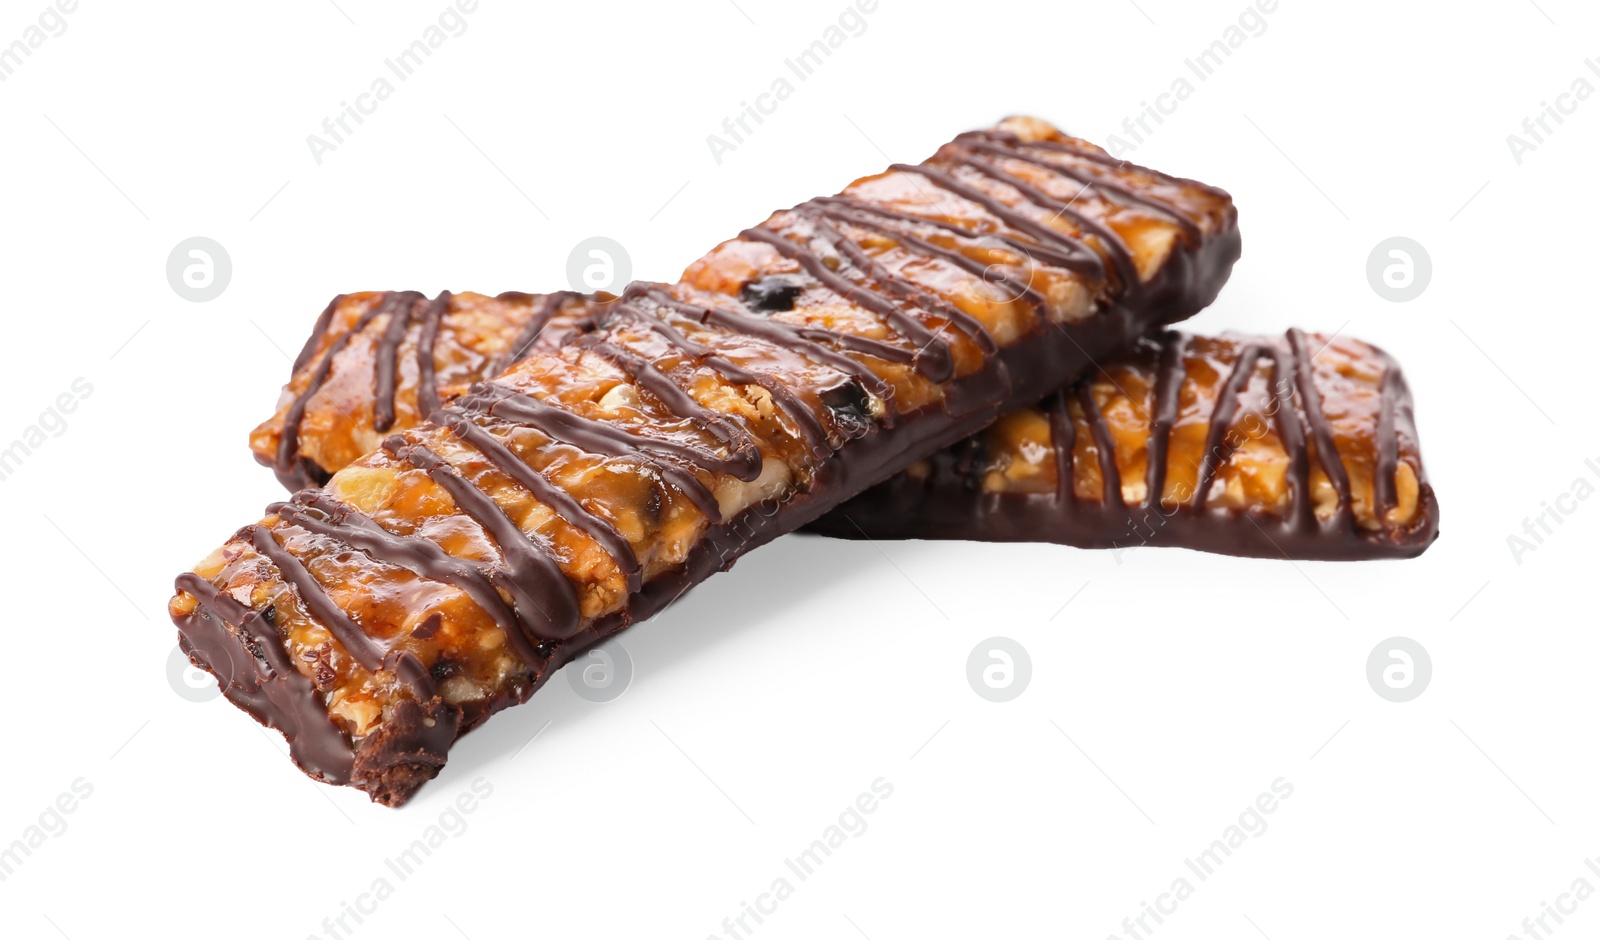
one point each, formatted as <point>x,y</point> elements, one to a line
<point>1299,446</point>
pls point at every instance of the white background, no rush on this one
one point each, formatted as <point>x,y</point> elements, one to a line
<point>1171,690</point>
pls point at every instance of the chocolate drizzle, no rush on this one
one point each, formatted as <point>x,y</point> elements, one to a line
<point>1321,429</point>
<point>1105,449</point>
<point>296,471</point>
<point>1044,253</point>
<point>1063,438</point>
<point>807,340</point>
<point>1077,256</point>
<point>1169,380</point>
<point>289,464</point>
<point>805,422</point>
<point>530,572</point>
<point>316,512</point>
<point>324,320</point>
<point>947,502</point>
<point>1096,156</point>
<point>744,461</point>
<point>537,321</point>
<point>1217,450</point>
<point>899,288</point>
<point>1383,486</point>
<point>527,580</point>
<point>385,374</point>
<point>1292,433</point>
<point>598,437</point>
<point>362,648</point>
<point>1121,255</point>
<point>427,338</point>
<point>289,437</point>
<point>1098,182</point>
<point>932,355</point>
<point>563,503</point>
<point>992,273</point>
<point>866,298</point>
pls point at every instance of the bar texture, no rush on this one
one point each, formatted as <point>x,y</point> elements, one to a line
<point>446,574</point>
<point>380,361</point>
<point>1003,484</point>
<point>1301,446</point>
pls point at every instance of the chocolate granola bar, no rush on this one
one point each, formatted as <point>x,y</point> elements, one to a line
<point>1300,446</point>
<point>448,573</point>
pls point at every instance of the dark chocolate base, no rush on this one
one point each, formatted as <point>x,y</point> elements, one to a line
<point>909,509</point>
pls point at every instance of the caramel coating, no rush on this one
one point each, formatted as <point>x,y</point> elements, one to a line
<point>1018,453</point>
<point>476,336</point>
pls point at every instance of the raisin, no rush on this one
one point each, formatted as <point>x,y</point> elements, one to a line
<point>654,502</point>
<point>971,461</point>
<point>771,294</point>
<point>851,408</point>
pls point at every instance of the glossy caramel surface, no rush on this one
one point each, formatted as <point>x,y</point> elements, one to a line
<point>1252,466</point>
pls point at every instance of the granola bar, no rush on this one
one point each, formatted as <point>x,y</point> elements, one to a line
<point>1299,446</point>
<point>448,573</point>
